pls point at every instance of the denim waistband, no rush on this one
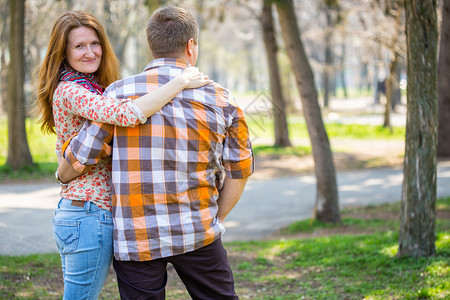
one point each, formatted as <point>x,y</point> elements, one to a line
<point>88,206</point>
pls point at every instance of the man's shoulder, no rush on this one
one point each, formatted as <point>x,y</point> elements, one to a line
<point>132,79</point>
<point>119,85</point>
<point>222,95</point>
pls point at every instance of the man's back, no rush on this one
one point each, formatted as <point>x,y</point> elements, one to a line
<point>167,173</point>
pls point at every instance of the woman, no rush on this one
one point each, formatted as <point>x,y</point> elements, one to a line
<point>78,64</point>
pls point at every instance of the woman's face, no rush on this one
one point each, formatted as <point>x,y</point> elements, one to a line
<point>83,50</point>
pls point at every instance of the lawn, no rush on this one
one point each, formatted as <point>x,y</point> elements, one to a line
<point>43,152</point>
<point>353,260</point>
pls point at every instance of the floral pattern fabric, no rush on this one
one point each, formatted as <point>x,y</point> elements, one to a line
<point>72,104</point>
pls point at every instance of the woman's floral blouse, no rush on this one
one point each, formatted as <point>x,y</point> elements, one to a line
<point>72,104</point>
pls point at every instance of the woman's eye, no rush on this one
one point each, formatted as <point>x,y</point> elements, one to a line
<point>79,46</point>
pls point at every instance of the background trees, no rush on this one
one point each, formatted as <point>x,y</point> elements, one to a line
<point>418,217</point>
<point>444,84</point>
<point>18,152</point>
<point>276,89</point>
<point>327,206</point>
<point>344,47</point>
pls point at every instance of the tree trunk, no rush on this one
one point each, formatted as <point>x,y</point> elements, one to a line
<point>327,71</point>
<point>251,70</point>
<point>3,64</point>
<point>390,90</point>
<point>4,80</point>
<point>18,151</point>
<point>327,206</point>
<point>418,216</point>
<point>364,81</point>
<point>118,40</point>
<point>342,71</point>
<point>392,81</point>
<point>278,101</point>
<point>444,84</point>
<point>396,91</point>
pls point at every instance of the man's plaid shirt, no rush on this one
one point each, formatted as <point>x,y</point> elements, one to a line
<point>167,173</point>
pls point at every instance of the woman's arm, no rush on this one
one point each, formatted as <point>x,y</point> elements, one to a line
<point>152,102</point>
<point>79,101</point>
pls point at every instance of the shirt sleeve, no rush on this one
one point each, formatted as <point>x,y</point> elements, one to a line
<point>238,157</point>
<point>88,146</point>
<point>79,101</point>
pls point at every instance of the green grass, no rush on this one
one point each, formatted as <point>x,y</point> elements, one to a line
<point>42,147</point>
<point>330,266</point>
<point>261,126</point>
<point>30,277</point>
<point>343,267</point>
<point>280,151</point>
<point>39,171</point>
<point>375,219</point>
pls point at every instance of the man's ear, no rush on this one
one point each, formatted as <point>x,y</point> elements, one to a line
<point>190,46</point>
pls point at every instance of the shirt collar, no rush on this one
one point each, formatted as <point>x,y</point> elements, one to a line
<point>174,62</point>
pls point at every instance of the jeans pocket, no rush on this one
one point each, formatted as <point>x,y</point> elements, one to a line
<point>106,219</point>
<point>66,235</point>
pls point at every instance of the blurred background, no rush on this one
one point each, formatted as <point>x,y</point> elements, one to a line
<point>356,50</point>
<point>327,87</point>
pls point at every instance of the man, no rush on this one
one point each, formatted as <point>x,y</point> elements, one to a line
<point>175,178</point>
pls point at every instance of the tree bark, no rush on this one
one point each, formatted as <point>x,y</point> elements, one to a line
<point>390,90</point>
<point>18,151</point>
<point>327,206</point>
<point>4,80</point>
<point>444,84</point>
<point>342,71</point>
<point>418,216</point>
<point>3,64</point>
<point>328,66</point>
<point>392,81</point>
<point>278,101</point>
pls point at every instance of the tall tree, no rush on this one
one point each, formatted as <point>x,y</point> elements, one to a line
<point>444,84</point>
<point>3,49</point>
<point>327,206</point>
<point>418,216</point>
<point>329,58</point>
<point>18,151</point>
<point>394,10</point>
<point>279,102</point>
<point>330,7</point>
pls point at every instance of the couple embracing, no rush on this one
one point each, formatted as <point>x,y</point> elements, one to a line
<point>149,167</point>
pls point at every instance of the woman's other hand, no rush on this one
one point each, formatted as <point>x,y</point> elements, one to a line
<point>193,78</point>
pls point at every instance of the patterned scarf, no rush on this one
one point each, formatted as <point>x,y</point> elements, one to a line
<point>87,80</point>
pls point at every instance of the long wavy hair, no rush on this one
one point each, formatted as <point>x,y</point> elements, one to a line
<point>48,76</point>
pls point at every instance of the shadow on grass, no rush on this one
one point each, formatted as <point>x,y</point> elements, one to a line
<point>37,171</point>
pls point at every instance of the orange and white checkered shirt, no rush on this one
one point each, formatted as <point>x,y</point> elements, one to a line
<point>167,173</point>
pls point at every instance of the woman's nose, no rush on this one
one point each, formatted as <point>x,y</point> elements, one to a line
<point>89,52</point>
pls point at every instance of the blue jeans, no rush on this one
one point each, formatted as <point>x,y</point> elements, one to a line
<point>84,239</point>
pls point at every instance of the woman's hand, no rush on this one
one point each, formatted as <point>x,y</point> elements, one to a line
<point>193,78</point>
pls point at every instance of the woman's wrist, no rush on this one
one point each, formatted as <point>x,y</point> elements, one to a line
<point>181,82</point>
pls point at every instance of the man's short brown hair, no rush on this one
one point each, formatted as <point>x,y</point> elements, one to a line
<point>169,30</point>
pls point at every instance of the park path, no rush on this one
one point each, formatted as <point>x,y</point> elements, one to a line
<point>26,210</point>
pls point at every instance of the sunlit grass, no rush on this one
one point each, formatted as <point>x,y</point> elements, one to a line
<point>280,151</point>
<point>372,221</point>
<point>261,126</point>
<point>42,148</point>
<point>342,266</point>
